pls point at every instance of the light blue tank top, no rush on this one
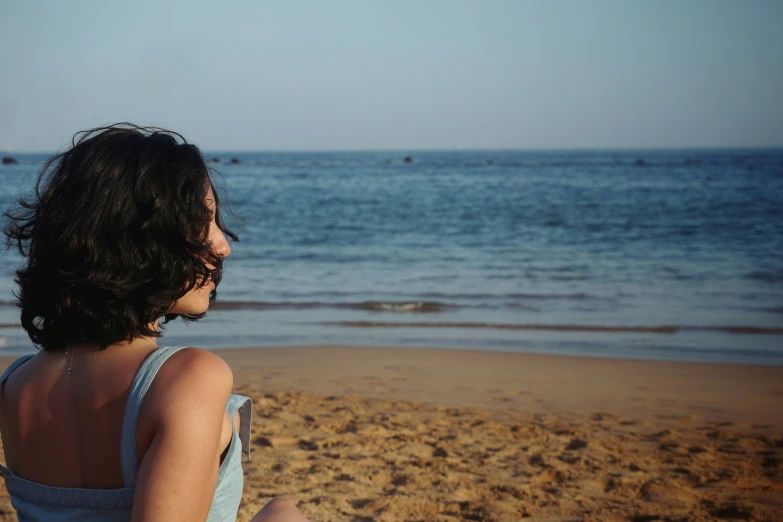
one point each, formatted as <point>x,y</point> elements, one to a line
<point>36,502</point>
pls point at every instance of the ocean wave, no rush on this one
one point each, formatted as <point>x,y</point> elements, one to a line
<point>370,306</point>
<point>698,353</point>
<point>577,296</point>
<point>418,306</point>
<point>664,329</point>
<point>448,296</point>
<point>479,301</point>
<point>767,277</point>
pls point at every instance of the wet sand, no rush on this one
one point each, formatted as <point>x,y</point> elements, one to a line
<point>391,434</point>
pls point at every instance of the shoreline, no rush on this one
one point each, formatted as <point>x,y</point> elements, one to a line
<point>757,344</point>
<point>540,383</point>
<point>723,392</point>
<point>642,357</point>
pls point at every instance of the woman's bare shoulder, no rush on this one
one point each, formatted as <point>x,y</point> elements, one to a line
<point>193,379</point>
<point>196,363</point>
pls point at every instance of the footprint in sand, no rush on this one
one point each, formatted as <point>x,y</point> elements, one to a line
<point>671,492</point>
<point>732,512</point>
<point>502,399</point>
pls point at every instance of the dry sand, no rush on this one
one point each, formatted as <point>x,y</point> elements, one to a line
<point>388,434</point>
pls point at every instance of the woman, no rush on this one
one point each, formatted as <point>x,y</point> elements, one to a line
<point>123,231</point>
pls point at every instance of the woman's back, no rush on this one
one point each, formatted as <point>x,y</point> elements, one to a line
<point>64,430</point>
<point>38,498</point>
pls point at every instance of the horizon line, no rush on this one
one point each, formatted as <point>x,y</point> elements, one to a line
<point>710,148</point>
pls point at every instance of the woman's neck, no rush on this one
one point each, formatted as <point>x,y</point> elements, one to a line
<point>142,342</point>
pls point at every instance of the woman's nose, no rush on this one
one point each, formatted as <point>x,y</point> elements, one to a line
<point>219,243</point>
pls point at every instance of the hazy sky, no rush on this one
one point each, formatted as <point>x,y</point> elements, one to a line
<point>283,74</point>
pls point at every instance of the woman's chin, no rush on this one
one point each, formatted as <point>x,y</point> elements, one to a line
<point>192,303</point>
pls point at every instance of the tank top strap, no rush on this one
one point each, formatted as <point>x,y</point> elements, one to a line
<point>141,384</point>
<point>7,373</point>
<point>14,365</point>
<point>244,406</point>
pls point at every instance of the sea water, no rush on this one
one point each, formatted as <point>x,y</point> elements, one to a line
<point>645,254</point>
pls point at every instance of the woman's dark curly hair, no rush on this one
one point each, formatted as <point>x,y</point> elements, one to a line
<point>114,233</point>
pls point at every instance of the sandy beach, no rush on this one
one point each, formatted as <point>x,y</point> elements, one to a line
<point>391,434</point>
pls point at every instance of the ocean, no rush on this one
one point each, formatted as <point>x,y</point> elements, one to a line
<point>673,255</point>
